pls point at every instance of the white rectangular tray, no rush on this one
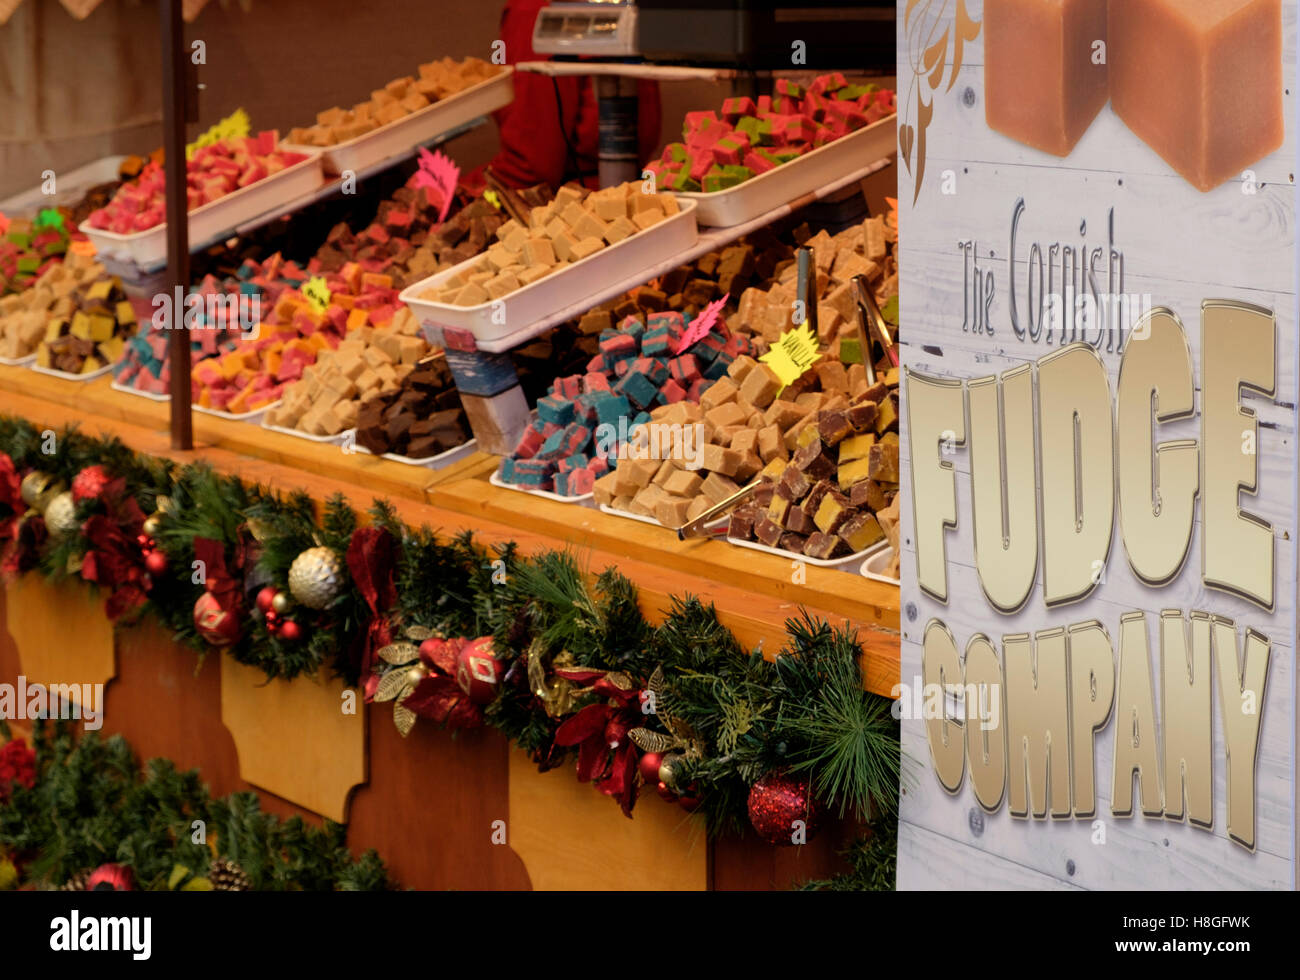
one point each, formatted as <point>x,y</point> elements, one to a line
<point>585,500</point>
<point>18,361</point>
<point>148,249</point>
<point>790,181</point>
<point>99,373</point>
<point>606,509</point>
<point>876,563</point>
<point>399,136</point>
<point>71,187</point>
<point>438,462</point>
<point>817,562</point>
<point>128,390</point>
<point>538,300</point>
<point>255,414</point>
<point>337,439</point>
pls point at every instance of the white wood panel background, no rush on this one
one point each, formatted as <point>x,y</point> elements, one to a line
<point>1180,246</point>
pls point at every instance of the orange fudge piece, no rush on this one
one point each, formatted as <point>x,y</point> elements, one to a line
<point>1200,81</point>
<point>1041,86</point>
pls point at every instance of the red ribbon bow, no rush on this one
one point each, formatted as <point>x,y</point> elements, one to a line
<point>113,558</point>
<point>216,576</point>
<point>438,696</point>
<point>605,753</point>
<point>372,561</point>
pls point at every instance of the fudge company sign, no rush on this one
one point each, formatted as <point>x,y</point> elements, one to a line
<point>1100,326</point>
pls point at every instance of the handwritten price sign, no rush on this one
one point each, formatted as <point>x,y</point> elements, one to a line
<point>702,324</point>
<point>317,294</point>
<point>440,176</point>
<point>234,126</point>
<point>793,354</point>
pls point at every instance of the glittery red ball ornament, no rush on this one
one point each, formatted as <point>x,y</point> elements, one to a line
<point>290,631</point>
<point>478,671</point>
<point>111,878</point>
<point>783,810</point>
<point>89,483</point>
<point>649,766</point>
<point>665,793</point>
<point>265,597</point>
<point>217,626</point>
<point>155,563</point>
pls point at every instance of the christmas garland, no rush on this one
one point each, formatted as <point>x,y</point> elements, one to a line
<point>460,634</point>
<point>83,815</point>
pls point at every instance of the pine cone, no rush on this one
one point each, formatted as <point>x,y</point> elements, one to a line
<point>77,883</point>
<point>226,876</point>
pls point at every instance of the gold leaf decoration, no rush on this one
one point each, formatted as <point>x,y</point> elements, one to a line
<point>392,685</point>
<point>648,741</point>
<point>403,719</point>
<point>419,633</point>
<point>399,653</point>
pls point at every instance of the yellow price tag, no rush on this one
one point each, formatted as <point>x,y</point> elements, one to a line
<point>793,354</point>
<point>317,294</point>
<point>490,196</point>
<point>234,126</point>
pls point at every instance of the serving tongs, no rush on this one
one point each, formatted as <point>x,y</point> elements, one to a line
<point>873,328</point>
<point>806,286</point>
<point>697,528</point>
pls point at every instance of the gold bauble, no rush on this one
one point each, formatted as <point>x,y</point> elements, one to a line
<point>416,674</point>
<point>152,524</point>
<point>162,504</point>
<point>315,577</point>
<point>38,489</point>
<point>280,603</point>
<point>61,515</point>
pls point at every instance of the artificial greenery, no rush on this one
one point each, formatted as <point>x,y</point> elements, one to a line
<point>873,862</point>
<point>93,804</point>
<point>743,716</point>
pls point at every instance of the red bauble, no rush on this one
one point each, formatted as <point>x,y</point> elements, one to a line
<point>217,626</point>
<point>290,631</point>
<point>478,671</point>
<point>665,793</point>
<point>783,810</point>
<point>111,878</point>
<point>155,563</point>
<point>649,766</point>
<point>89,483</point>
<point>266,596</point>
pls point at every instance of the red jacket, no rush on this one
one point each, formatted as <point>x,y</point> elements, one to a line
<point>542,142</point>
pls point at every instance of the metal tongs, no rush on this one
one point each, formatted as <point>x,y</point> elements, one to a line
<point>697,528</point>
<point>872,326</point>
<point>807,286</point>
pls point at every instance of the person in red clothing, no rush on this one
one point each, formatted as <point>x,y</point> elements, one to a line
<point>548,134</point>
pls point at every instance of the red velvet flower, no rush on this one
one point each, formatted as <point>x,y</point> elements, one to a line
<point>605,753</point>
<point>438,696</point>
<point>17,765</point>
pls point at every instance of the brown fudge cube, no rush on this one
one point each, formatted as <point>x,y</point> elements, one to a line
<point>883,461</point>
<point>1041,86</point>
<point>832,427</point>
<point>1200,81</point>
<point>814,460</point>
<point>821,545</point>
<point>860,532</point>
<point>768,531</point>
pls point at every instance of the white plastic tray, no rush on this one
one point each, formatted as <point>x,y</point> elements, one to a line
<point>148,249</point>
<point>400,135</point>
<point>71,187</point>
<point>128,390</point>
<point>18,361</point>
<point>793,180</point>
<point>876,563</point>
<point>438,462</point>
<point>73,377</point>
<point>585,500</point>
<point>795,556</point>
<point>606,509</point>
<point>538,300</point>
<point>337,439</point>
<point>240,417</point>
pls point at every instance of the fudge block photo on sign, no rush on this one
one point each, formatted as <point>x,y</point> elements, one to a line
<point>1200,81</point>
<point>1044,70</point>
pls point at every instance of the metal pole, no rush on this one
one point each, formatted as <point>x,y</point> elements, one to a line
<point>178,230</point>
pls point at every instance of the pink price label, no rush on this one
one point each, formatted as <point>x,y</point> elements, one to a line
<point>438,173</point>
<point>702,324</point>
